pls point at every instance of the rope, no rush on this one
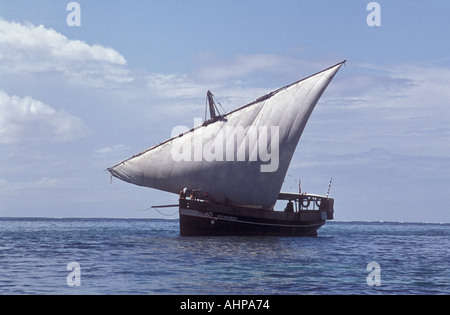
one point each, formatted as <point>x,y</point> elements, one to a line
<point>166,215</point>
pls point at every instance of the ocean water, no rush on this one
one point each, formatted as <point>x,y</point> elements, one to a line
<point>116,256</point>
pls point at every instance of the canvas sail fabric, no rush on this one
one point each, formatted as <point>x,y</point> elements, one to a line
<point>242,157</point>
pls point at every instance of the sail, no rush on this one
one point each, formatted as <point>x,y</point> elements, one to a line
<point>238,158</point>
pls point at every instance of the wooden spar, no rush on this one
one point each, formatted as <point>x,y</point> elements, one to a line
<point>165,206</point>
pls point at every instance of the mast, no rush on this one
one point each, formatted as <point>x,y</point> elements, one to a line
<point>212,105</point>
<point>213,109</point>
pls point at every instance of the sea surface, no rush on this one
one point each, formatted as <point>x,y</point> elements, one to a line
<point>120,256</point>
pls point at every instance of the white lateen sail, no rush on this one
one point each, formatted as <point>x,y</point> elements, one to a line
<point>238,158</point>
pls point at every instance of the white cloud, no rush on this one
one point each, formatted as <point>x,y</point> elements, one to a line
<point>243,66</point>
<point>109,150</point>
<point>26,119</point>
<point>175,86</point>
<point>43,183</point>
<point>28,49</point>
<point>234,80</point>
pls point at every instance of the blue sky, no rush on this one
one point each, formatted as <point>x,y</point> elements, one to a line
<point>76,100</point>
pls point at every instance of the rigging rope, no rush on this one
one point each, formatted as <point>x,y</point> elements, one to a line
<point>166,215</point>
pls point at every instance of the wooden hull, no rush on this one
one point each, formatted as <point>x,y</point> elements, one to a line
<point>199,218</point>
